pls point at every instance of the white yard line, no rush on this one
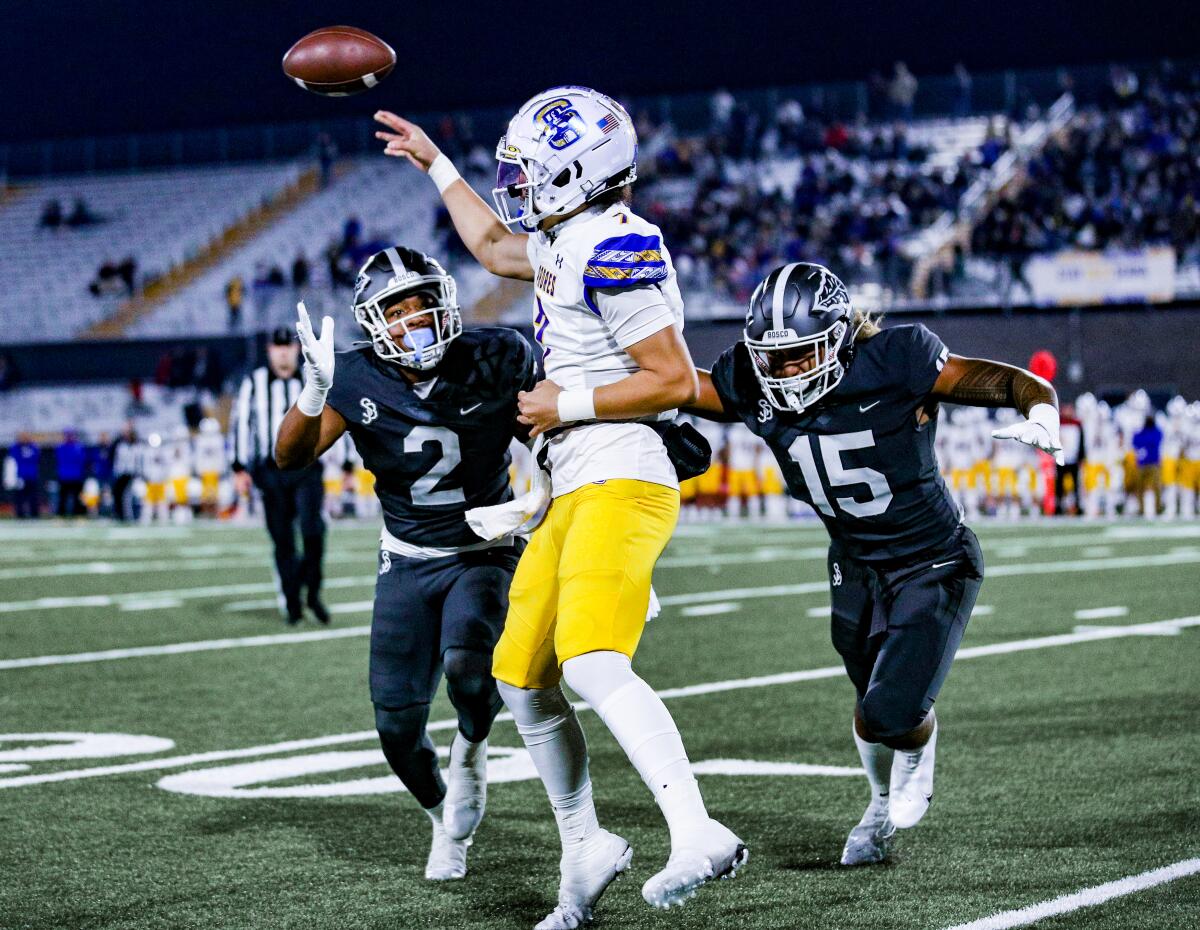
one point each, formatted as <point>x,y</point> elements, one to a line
<point>139,566</point>
<point>711,610</point>
<point>712,687</point>
<point>1089,897</point>
<point>1101,613</point>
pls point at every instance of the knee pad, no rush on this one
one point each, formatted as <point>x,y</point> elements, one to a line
<point>597,676</point>
<point>536,709</point>
<point>887,719</point>
<point>469,672</point>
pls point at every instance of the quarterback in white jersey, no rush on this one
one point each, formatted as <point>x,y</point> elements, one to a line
<point>608,316</point>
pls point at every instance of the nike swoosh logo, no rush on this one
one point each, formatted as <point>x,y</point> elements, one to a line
<point>943,564</point>
<point>466,410</point>
<point>863,408</point>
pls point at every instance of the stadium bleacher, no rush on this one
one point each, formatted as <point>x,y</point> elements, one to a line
<point>158,218</point>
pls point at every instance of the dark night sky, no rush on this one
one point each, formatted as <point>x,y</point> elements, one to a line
<point>86,67</point>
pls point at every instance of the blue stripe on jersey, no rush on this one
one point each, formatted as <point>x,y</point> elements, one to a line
<point>625,261</point>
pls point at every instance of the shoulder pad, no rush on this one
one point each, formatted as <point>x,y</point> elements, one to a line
<point>629,260</point>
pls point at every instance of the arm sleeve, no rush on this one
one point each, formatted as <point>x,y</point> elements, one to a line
<point>631,313</point>
<point>723,379</point>
<point>927,356</point>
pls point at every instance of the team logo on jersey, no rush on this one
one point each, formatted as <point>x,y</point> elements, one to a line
<point>565,125</point>
<point>370,413</point>
<point>385,562</point>
<point>765,411</point>
<point>836,579</point>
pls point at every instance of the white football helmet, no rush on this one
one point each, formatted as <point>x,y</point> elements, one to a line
<point>564,148</point>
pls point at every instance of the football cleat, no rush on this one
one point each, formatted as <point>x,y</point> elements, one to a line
<point>466,789</point>
<point>585,876</point>
<point>871,840</point>
<point>717,853</point>
<point>447,860</point>
<point>912,783</point>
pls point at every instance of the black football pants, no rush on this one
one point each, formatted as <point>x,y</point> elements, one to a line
<point>898,626</point>
<point>290,498</point>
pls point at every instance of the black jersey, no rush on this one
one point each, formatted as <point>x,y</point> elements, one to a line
<point>859,456</point>
<point>439,447</point>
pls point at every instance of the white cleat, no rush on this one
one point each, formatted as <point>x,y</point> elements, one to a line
<point>466,788</point>
<point>447,857</point>
<point>911,787</point>
<point>871,840</point>
<point>585,876</point>
<point>716,853</point>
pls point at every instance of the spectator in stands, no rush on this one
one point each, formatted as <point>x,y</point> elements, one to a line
<point>127,272</point>
<point>327,153</point>
<point>902,91</point>
<point>99,460</point>
<point>962,91</point>
<point>26,455</point>
<point>300,272</point>
<point>81,214</point>
<point>108,281</point>
<point>8,372</point>
<point>70,469</point>
<point>235,292</point>
<point>52,215</point>
<point>126,452</point>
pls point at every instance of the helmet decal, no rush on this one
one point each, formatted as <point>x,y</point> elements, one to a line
<point>565,125</point>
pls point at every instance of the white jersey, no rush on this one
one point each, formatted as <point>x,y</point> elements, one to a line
<point>744,447</point>
<point>603,281</point>
<point>180,458</point>
<point>210,454</point>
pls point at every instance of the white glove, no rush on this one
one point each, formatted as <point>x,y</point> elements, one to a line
<point>318,362</point>
<point>1040,430</point>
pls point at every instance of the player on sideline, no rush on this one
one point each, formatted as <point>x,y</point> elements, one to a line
<point>431,410</point>
<point>850,412</point>
<point>609,322</point>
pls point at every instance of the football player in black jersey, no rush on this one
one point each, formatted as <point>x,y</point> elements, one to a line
<point>432,410</point>
<point>849,410</point>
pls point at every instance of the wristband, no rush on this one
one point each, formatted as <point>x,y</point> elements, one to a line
<point>576,405</point>
<point>311,400</point>
<point>1044,415</point>
<point>442,172</point>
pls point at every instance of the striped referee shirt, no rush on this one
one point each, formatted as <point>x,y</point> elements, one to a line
<point>262,402</point>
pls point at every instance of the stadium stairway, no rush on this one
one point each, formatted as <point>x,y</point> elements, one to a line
<point>183,275</point>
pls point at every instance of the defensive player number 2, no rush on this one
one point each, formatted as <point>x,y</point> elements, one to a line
<point>839,475</point>
<point>423,493</point>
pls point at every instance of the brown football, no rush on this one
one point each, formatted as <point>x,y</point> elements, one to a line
<point>338,61</point>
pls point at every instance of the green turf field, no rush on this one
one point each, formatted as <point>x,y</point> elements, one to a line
<point>255,795</point>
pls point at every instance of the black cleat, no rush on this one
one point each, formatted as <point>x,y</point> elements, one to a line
<point>293,613</point>
<point>319,611</point>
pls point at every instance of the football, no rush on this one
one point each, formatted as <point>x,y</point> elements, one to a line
<point>338,61</point>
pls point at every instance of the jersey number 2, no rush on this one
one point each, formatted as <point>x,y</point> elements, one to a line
<point>423,493</point>
<point>832,448</point>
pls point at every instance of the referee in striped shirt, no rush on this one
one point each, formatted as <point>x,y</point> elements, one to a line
<point>288,497</point>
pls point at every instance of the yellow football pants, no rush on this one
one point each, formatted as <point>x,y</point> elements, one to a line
<point>583,582</point>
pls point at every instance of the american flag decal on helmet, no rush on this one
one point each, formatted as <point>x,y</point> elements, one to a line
<point>608,124</point>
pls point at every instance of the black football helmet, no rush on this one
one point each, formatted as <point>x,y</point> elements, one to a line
<point>800,307</point>
<point>396,273</point>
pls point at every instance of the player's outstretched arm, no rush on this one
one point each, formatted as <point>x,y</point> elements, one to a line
<point>494,245</point>
<point>708,404</point>
<point>310,427</point>
<point>666,379</point>
<point>979,382</point>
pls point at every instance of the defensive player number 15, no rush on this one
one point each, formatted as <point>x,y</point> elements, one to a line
<point>839,475</point>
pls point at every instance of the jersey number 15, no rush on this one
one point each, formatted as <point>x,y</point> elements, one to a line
<point>832,447</point>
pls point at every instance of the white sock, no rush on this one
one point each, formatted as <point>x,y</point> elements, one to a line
<point>435,813</point>
<point>555,741</point>
<point>877,760</point>
<point>641,723</point>
<point>464,751</point>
